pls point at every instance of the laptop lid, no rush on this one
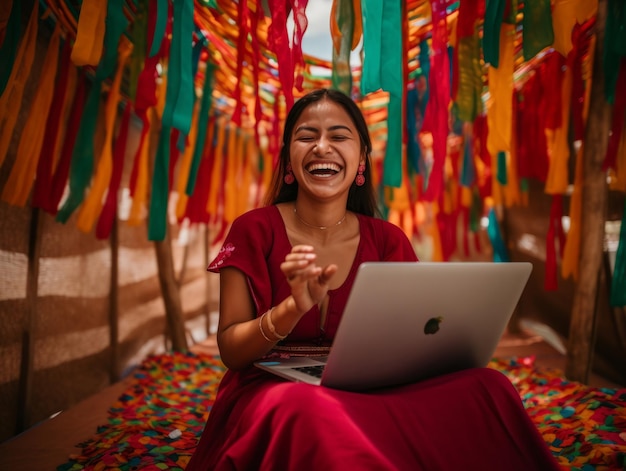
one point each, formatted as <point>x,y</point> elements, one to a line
<point>407,321</point>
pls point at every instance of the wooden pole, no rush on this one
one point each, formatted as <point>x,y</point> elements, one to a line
<point>113,304</point>
<point>594,195</point>
<point>30,324</point>
<point>171,294</point>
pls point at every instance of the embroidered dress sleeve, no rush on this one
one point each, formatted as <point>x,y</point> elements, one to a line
<point>247,248</point>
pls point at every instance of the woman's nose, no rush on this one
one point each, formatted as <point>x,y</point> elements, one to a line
<point>322,145</point>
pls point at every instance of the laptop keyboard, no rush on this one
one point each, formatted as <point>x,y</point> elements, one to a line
<point>315,371</point>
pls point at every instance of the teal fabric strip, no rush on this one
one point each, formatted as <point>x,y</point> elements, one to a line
<point>203,120</point>
<point>372,12</point>
<point>618,282</point>
<point>500,253</point>
<point>468,175</point>
<point>8,51</point>
<point>501,175</point>
<point>180,94</point>
<point>159,29</point>
<point>491,31</point>
<point>383,69</point>
<point>157,218</point>
<point>81,167</point>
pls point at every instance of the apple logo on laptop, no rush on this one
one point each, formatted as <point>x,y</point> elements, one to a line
<point>432,325</point>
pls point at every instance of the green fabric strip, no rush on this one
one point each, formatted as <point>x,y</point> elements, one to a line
<point>537,30</point>
<point>500,253</point>
<point>203,120</point>
<point>139,39</point>
<point>501,175</point>
<point>382,69</point>
<point>614,46</point>
<point>180,94</point>
<point>81,167</point>
<point>491,31</point>
<point>157,219</point>
<point>469,93</point>
<point>159,30</point>
<point>618,282</point>
<point>8,50</point>
<point>341,73</point>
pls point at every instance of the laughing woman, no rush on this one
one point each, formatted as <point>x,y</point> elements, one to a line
<point>285,273</point>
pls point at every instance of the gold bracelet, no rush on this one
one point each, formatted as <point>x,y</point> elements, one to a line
<point>270,324</point>
<point>262,331</point>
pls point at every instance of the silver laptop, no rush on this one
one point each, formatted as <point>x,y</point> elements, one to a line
<point>408,321</point>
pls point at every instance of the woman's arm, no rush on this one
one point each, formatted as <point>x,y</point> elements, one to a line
<point>243,337</point>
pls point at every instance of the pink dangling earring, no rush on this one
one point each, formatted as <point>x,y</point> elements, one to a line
<point>360,178</point>
<point>289,178</point>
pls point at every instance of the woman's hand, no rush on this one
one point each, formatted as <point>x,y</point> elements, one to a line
<point>309,282</point>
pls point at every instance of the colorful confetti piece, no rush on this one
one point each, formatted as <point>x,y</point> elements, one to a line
<point>584,427</point>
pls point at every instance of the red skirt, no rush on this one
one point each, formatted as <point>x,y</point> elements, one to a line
<point>470,420</point>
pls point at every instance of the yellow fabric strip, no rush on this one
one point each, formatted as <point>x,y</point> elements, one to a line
<point>89,43</point>
<point>571,251</point>
<point>216,174</point>
<point>92,206</point>
<point>11,99</point>
<point>22,175</point>
<point>500,104</point>
<point>565,14</point>
<point>185,164</point>
<point>558,147</point>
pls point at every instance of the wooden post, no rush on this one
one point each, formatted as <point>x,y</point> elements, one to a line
<point>594,195</point>
<point>30,324</point>
<point>113,304</point>
<point>171,294</point>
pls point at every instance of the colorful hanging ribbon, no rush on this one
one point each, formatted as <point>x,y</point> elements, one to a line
<point>91,32</point>
<point>11,98</point>
<point>20,182</point>
<point>83,154</point>
<point>382,69</point>
<point>10,30</point>
<point>176,115</point>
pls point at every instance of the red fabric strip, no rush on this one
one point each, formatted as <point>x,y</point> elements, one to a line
<point>300,24</point>
<point>243,31</point>
<point>43,180</point>
<point>62,171</point>
<point>278,43</point>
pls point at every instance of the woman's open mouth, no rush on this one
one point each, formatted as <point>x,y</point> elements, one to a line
<point>323,169</point>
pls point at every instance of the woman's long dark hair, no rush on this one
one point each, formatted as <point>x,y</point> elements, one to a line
<point>361,199</point>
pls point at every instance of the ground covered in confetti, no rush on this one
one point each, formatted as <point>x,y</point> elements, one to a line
<point>157,422</point>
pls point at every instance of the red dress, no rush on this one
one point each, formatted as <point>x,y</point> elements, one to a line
<point>469,420</point>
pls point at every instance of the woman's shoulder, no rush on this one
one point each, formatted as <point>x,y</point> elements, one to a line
<point>262,215</point>
<point>380,226</point>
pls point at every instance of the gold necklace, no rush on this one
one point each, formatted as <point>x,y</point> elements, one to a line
<point>321,228</point>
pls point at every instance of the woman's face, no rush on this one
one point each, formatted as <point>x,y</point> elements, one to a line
<point>325,150</point>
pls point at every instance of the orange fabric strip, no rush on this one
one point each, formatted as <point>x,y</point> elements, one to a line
<point>11,98</point>
<point>140,195</point>
<point>22,175</point>
<point>90,210</point>
<point>500,105</point>
<point>90,33</point>
<point>185,165</point>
